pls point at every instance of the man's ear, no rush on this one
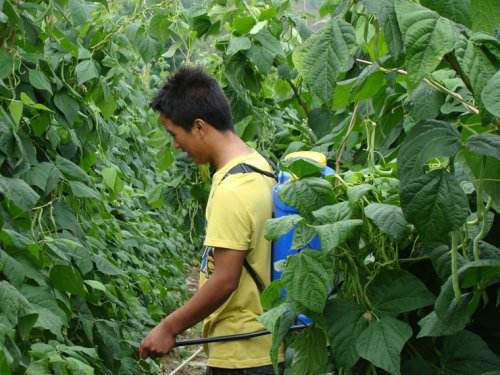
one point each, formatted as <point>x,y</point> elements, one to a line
<point>200,126</point>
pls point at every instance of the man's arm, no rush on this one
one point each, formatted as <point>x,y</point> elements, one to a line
<point>214,292</point>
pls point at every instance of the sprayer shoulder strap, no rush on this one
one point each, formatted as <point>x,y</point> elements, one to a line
<point>248,168</point>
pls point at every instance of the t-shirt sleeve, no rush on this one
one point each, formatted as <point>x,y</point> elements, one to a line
<point>229,224</point>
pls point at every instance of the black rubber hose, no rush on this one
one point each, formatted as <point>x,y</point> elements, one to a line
<point>239,336</point>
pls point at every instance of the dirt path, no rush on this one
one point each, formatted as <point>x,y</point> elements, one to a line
<point>177,356</point>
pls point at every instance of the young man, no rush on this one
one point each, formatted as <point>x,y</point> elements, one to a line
<point>196,113</point>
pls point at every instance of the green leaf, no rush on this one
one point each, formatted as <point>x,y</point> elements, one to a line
<point>490,175</point>
<point>325,54</point>
<point>466,353</point>
<point>384,9</point>
<point>85,71</point>
<point>237,44</point>
<point>381,343</point>
<point>307,280</point>
<point>6,64</point>
<point>13,304</point>
<point>335,234</point>
<point>243,25</point>
<point>453,320</point>
<point>71,169</point>
<point>159,25</point>
<point>425,141</point>
<point>470,274</point>
<point>310,352</point>
<point>275,228</point>
<point>302,235</point>
<point>321,121</point>
<point>303,167</point>
<point>67,279</point>
<point>81,190</point>
<point>397,291</point>
<point>19,192</point>
<point>476,65</point>
<point>165,158</point>
<point>97,285</point>
<point>345,321</point>
<point>355,193</point>
<point>4,364</point>
<point>68,106</point>
<point>16,110</point>
<point>111,179</point>
<point>426,102</point>
<point>388,218</point>
<point>485,144</point>
<point>45,176</point>
<point>485,15</point>
<point>455,10</point>
<point>307,195</point>
<point>78,11</point>
<point>105,266</point>
<point>491,95</point>
<point>333,213</point>
<point>435,203</point>
<point>427,38</point>
<point>39,81</point>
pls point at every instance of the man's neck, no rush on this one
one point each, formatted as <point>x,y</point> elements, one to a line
<point>226,147</point>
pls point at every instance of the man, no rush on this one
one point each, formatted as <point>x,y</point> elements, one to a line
<point>196,113</point>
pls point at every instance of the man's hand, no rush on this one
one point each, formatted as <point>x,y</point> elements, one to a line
<point>158,342</point>
<point>224,281</point>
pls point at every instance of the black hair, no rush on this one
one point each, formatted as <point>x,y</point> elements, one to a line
<point>190,94</point>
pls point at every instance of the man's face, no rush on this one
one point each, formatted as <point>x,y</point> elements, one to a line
<point>187,141</point>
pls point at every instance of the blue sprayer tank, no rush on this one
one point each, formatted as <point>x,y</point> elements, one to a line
<point>282,247</point>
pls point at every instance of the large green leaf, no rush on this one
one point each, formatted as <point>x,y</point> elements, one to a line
<point>302,235</point>
<point>45,176</point>
<point>307,195</point>
<point>381,343</point>
<point>427,38</point>
<point>485,15</point>
<point>485,144</point>
<point>456,10</point>
<point>490,174</point>
<point>426,102</point>
<point>39,80</point>
<point>397,291</point>
<point>335,234</point>
<point>470,274</point>
<point>466,353</point>
<point>332,213</point>
<point>355,193</point>
<point>384,9</point>
<point>81,190</point>
<point>388,218</point>
<point>237,44</point>
<point>68,106</point>
<point>159,25</point>
<point>19,192</point>
<point>307,279</point>
<point>310,352</point>
<point>345,321</point>
<point>67,279</point>
<point>476,65</point>
<point>303,167</point>
<point>71,169</point>
<point>456,317</point>
<point>435,203</point>
<point>6,64</point>
<point>85,71</point>
<point>425,141</point>
<point>324,55</point>
<point>491,95</point>
<point>13,304</point>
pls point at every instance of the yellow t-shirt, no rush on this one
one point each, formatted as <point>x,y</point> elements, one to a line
<point>236,213</point>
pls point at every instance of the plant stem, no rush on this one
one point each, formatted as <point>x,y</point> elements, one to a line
<point>482,232</point>
<point>454,265</point>
<point>431,83</point>
<point>340,152</point>
<point>299,98</point>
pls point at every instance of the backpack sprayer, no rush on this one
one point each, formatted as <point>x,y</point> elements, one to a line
<point>281,248</point>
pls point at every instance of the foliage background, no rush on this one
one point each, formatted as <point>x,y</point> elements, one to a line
<point>99,224</point>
